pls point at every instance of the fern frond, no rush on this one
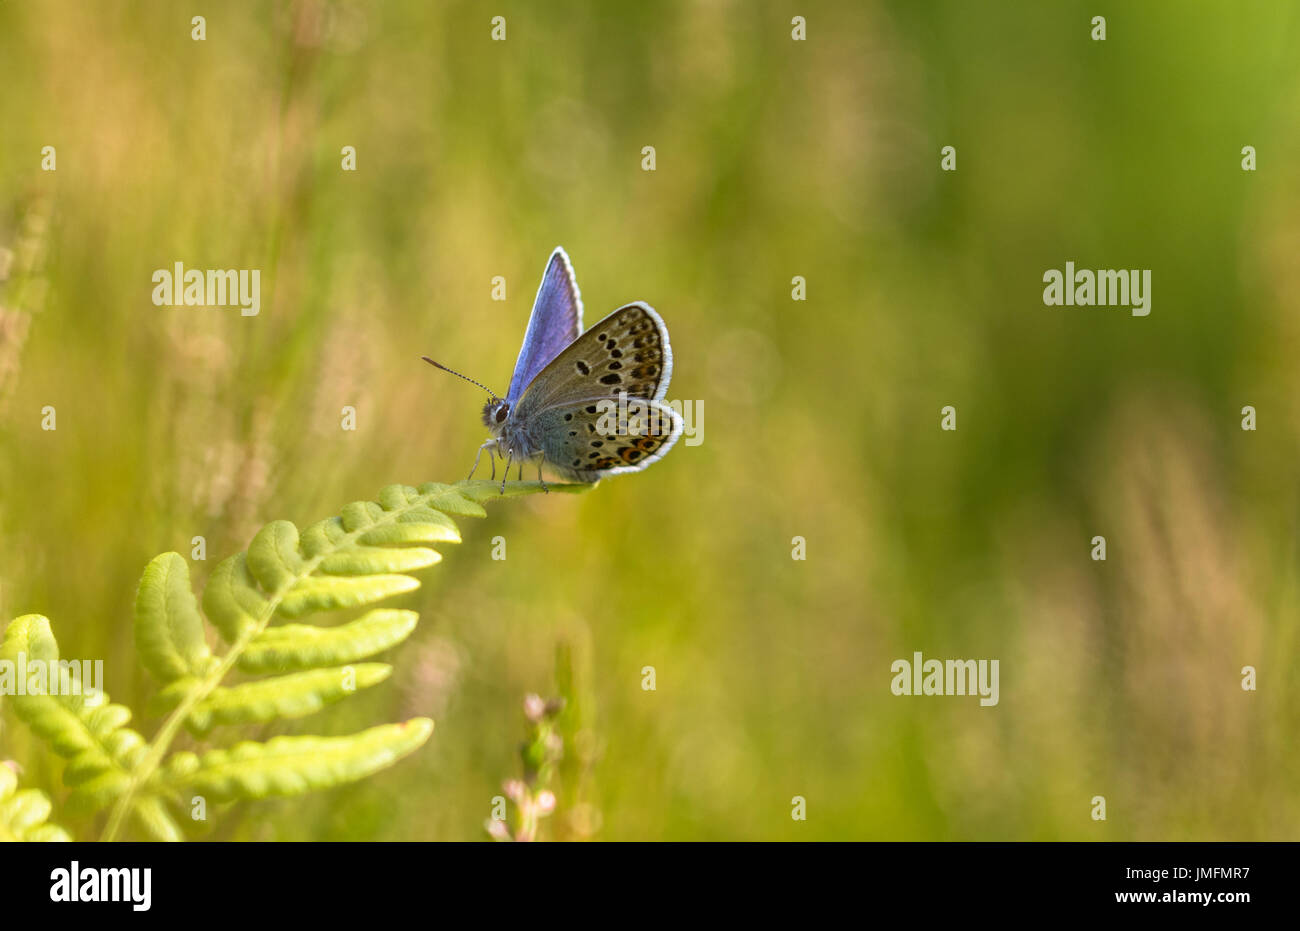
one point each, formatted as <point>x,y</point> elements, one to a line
<point>168,627</point>
<point>90,733</point>
<point>23,813</point>
<point>361,557</point>
<point>294,765</point>
<point>292,647</point>
<point>292,696</point>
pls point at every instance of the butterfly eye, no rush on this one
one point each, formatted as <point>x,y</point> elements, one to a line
<point>502,413</point>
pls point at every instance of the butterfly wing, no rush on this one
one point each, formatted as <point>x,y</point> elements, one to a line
<point>555,322</point>
<point>576,442</point>
<point>627,351</point>
<point>570,410</point>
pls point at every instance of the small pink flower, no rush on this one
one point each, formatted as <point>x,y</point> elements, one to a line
<point>534,707</point>
<point>497,829</point>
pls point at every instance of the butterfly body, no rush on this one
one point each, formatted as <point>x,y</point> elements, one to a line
<point>587,403</point>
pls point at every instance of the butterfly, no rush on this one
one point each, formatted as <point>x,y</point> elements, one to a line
<point>587,403</point>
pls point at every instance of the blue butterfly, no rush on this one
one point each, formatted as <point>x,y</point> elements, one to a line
<point>589,404</point>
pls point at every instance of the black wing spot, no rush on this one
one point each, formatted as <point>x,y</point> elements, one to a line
<point>591,409</point>
<point>597,443</point>
<point>616,365</point>
<point>573,433</point>
<point>582,367</point>
<point>568,416</point>
<point>610,379</point>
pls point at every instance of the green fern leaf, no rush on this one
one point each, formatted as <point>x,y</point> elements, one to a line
<point>23,814</point>
<point>315,594</point>
<point>152,814</point>
<point>231,600</point>
<point>291,696</point>
<point>168,628</point>
<point>423,528</point>
<point>292,647</point>
<point>480,490</point>
<point>293,765</point>
<point>273,557</point>
<point>98,792</point>
<point>93,738</point>
<point>370,560</point>
<point>356,559</point>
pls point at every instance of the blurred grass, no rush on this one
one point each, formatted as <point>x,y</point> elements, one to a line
<point>775,159</point>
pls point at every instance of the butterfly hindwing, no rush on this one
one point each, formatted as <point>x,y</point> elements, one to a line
<point>589,441</point>
<point>556,321</point>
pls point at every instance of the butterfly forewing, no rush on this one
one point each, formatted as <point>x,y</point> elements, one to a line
<point>628,352</point>
<point>556,321</point>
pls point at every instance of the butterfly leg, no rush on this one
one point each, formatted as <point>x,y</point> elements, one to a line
<point>474,468</point>
<point>539,477</point>
<point>506,474</point>
<point>480,456</point>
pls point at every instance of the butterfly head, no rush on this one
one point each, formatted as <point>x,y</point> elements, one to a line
<point>495,414</point>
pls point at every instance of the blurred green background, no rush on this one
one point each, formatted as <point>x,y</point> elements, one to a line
<point>775,158</point>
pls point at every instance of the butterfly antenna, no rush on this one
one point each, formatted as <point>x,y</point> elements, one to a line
<point>439,365</point>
